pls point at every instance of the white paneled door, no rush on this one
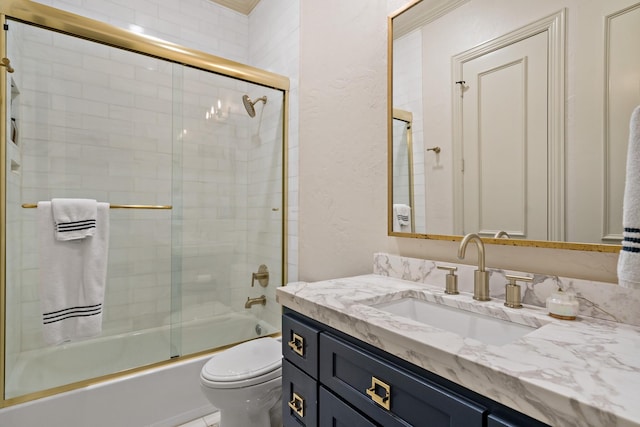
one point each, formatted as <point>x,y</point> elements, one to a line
<point>505,140</point>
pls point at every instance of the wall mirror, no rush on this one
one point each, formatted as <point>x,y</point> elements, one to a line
<point>520,119</point>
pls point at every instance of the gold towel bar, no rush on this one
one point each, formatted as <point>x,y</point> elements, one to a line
<point>31,206</point>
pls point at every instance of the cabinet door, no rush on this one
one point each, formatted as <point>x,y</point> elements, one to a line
<point>333,412</point>
<point>300,344</point>
<point>299,397</point>
<point>388,394</point>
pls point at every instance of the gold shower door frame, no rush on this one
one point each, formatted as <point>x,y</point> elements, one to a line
<point>64,22</point>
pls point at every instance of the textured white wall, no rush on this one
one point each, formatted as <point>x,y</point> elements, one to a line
<point>343,108</point>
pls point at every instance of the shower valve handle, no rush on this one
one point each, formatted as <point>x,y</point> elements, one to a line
<point>262,276</point>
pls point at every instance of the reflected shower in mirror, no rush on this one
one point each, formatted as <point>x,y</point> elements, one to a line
<point>403,173</point>
<point>530,103</point>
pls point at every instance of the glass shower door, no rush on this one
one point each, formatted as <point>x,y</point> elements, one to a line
<point>94,122</point>
<point>196,188</point>
<point>231,176</point>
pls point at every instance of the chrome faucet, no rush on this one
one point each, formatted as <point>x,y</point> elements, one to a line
<point>262,300</point>
<point>480,276</point>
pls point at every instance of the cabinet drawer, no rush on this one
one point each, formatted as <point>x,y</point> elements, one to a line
<point>388,394</point>
<point>333,412</point>
<point>300,344</point>
<point>299,397</point>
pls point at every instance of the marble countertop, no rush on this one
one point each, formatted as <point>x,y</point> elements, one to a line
<point>565,373</point>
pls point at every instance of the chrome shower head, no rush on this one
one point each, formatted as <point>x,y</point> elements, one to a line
<point>249,104</point>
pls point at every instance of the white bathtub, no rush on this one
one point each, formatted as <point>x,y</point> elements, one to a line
<point>160,397</point>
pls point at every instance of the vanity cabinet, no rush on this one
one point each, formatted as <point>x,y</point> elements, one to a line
<point>299,372</point>
<point>346,382</point>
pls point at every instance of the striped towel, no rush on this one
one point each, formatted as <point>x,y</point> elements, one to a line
<point>402,218</point>
<point>73,276</point>
<point>403,212</point>
<point>74,218</point>
<point>629,259</point>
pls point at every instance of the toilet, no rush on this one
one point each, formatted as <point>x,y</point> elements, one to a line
<point>245,383</point>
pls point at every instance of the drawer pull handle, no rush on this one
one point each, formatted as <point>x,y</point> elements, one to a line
<point>382,400</point>
<point>297,404</point>
<point>297,344</point>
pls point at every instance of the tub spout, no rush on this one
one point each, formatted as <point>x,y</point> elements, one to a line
<point>262,300</point>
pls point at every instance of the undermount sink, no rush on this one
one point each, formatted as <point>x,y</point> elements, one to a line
<point>486,329</point>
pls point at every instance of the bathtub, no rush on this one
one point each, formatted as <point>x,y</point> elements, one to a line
<point>165,396</point>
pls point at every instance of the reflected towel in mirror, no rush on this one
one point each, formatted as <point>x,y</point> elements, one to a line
<point>401,218</point>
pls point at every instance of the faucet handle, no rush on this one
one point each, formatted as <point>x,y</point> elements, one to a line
<point>262,276</point>
<point>451,279</point>
<point>512,290</point>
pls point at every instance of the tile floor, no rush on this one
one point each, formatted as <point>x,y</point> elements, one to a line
<point>211,420</point>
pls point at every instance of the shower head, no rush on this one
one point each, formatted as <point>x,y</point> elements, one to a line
<point>249,104</point>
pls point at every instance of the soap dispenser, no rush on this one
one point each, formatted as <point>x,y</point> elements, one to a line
<point>563,305</point>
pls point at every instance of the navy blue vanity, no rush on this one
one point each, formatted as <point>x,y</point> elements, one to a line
<point>332,379</point>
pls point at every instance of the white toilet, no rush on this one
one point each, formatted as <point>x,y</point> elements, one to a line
<point>245,383</point>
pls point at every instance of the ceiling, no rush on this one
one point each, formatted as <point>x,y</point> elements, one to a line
<point>242,6</point>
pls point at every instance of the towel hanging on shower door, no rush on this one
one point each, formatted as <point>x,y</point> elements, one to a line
<point>72,278</point>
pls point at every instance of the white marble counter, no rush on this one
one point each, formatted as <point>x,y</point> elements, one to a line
<point>566,373</point>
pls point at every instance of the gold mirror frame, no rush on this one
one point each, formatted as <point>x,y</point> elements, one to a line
<point>593,247</point>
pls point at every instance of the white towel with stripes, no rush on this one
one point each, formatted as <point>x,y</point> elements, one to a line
<point>629,258</point>
<point>401,218</point>
<point>73,275</point>
<point>74,218</point>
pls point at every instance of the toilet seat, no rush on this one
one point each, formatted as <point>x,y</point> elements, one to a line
<point>252,362</point>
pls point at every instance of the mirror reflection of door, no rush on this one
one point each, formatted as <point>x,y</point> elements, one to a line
<point>505,141</point>
<point>403,209</point>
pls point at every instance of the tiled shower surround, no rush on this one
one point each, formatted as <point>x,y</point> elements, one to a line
<point>103,123</point>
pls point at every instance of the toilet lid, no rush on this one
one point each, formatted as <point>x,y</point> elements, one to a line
<point>247,360</point>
